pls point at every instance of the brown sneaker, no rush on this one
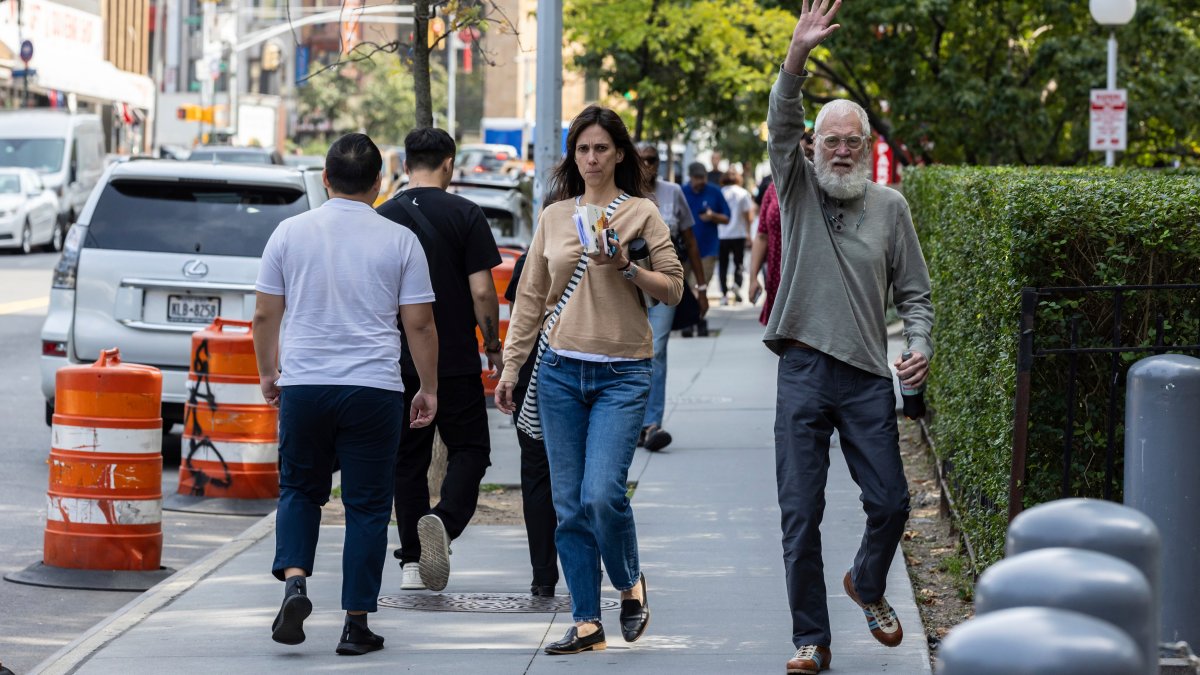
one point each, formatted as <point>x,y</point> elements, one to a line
<point>881,618</point>
<point>809,660</point>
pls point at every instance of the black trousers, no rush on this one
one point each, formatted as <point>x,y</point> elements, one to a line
<point>537,504</point>
<point>463,424</point>
<point>817,394</point>
<point>732,250</point>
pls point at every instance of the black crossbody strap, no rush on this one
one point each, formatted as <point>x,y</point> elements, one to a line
<point>433,234</point>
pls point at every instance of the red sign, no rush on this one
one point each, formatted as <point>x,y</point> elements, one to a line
<point>885,164</point>
<point>1109,111</point>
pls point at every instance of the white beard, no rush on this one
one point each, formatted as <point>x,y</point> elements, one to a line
<point>849,186</point>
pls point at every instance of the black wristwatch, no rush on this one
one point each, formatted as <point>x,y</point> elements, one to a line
<point>494,350</point>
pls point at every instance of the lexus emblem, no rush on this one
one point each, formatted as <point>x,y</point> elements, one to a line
<point>195,269</point>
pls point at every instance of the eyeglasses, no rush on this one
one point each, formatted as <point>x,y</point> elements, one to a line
<point>650,160</point>
<point>852,142</point>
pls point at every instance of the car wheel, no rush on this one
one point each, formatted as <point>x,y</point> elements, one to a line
<point>56,239</point>
<point>27,239</point>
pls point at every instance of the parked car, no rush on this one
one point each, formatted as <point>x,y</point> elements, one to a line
<point>28,211</point>
<point>66,150</point>
<point>507,205</point>
<point>160,250</point>
<point>483,159</point>
<point>234,154</point>
<point>305,161</point>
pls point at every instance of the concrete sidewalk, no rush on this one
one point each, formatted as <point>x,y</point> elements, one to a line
<point>708,526</point>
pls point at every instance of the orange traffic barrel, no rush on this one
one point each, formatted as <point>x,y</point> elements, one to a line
<point>104,505</point>
<point>501,276</point>
<point>230,433</point>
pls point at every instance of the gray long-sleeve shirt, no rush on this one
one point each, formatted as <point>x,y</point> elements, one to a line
<point>840,257</point>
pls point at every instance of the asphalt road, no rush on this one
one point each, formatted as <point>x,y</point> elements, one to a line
<point>34,621</point>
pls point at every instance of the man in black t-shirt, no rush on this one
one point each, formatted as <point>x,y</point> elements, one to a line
<point>462,252</point>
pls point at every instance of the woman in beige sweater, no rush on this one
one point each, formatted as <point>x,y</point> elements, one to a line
<point>593,379</point>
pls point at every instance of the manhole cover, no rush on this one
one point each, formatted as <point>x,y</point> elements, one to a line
<point>485,602</point>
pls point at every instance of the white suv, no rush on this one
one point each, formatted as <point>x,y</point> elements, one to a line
<point>161,249</point>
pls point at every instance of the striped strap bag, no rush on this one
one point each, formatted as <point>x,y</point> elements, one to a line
<point>529,421</point>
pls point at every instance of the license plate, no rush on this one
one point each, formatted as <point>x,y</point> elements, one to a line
<point>192,309</point>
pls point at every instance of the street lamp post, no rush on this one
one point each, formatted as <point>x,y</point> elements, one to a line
<point>1112,13</point>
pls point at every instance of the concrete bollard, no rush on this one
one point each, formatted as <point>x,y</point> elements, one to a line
<point>1162,478</point>
<point>1094,525</point>
<point>1096,584</point>
<point>1029,640</point>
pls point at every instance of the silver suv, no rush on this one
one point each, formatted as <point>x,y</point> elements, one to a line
<point>161,249</point>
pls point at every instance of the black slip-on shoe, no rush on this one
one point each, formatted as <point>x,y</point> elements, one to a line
<point>288,627</point>
<point>357,640</point>
<point>571,643</point>
<point>635,615</point>
<point>542,590</point>
<point>657,440</point>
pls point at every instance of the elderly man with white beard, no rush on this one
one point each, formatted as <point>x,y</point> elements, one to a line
<point>847,242</point>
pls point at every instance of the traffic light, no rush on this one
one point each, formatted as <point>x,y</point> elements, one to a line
<point>437,28</point>
<point>194,113</point>
<point>270,56</point>
<point>188,112</point>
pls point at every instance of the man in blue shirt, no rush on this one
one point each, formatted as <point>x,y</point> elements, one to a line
<point>709,209</point>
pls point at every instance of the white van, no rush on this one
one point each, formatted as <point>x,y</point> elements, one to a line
<point>66,150</point>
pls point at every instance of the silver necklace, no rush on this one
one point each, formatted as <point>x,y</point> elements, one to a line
<point>836,221</point>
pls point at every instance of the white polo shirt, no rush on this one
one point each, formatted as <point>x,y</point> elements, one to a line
<point>343,271</point>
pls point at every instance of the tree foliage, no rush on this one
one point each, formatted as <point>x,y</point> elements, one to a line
<point>686,64</point>
<point>374,95</point>
<point>987,82</point>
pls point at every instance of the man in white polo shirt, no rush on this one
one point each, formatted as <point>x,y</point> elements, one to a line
<point>336,278</point>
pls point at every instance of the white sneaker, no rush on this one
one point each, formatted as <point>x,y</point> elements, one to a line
<point>434,565</point>
<point>412,578</point>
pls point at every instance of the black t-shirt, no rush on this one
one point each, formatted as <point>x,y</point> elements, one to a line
<point>467,247</point>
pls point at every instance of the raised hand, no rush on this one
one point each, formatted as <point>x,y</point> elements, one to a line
<point>814,25</point>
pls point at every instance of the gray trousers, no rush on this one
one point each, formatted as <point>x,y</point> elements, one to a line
<point>817,394</point>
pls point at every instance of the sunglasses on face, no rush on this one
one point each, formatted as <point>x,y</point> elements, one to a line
<point>852,142</point>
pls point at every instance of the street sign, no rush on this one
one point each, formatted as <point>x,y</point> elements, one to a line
<point>1108,120</point>
<point>26,50</point>
<point>884,162</point>
<point>24,72</point>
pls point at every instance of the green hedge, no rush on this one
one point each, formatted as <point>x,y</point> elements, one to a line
<point>988,232</point>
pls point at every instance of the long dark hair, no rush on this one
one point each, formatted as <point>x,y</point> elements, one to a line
<point>566,182</point>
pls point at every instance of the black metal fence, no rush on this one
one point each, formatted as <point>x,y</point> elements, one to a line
<point>1069,344</point>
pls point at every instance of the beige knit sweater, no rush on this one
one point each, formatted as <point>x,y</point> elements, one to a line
<point>604,315</point>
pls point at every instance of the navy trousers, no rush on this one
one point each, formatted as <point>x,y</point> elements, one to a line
<point>360,427</point>
<point>817,394</point>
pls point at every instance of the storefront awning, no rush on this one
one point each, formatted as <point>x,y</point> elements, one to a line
<point>98,80</point>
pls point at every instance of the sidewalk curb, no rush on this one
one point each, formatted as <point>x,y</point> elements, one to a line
<point>75,654</point>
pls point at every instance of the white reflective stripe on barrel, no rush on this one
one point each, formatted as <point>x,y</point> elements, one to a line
<point>230,394</point>
<point>100,439</point>
<point>103,511</point>
<point>505,311</point>
<point>233,453</point>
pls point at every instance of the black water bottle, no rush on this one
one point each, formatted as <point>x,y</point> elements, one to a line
<point>914,397</point>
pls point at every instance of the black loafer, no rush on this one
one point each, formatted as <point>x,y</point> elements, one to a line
<point>357,640</point>
<point>288,627</point>
<point>657,440</point>
<point>573,644</point>
<point>542,591</point>
<point>635,615</point>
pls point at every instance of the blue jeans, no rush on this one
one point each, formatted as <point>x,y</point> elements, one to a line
<point>591,417</point>
<point>360,426</point>
<point>661,316</point>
